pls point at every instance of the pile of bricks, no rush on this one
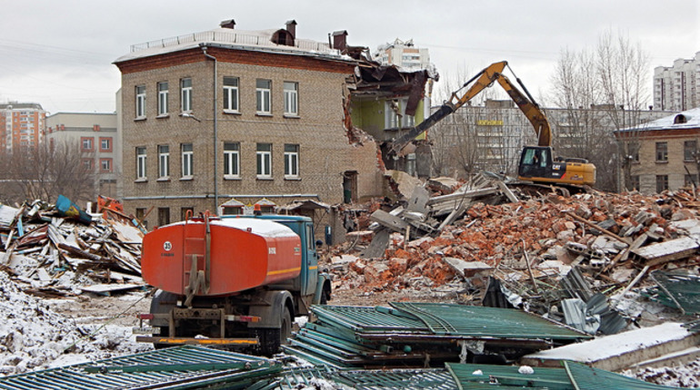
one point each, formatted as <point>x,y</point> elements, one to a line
<point>615,240</point>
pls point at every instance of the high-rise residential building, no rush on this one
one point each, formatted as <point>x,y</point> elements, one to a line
<point>23,125</point>
<point>677,88</point>
<point>96,137</point>
<point>404,54</point>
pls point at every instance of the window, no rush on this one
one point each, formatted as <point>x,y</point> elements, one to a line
<point>140,101</point>
<point>291,161</point>
<point>163,98</point>
<point>141,163</point>
<point>661,151</point>
<point>105,144</point>
<point>163,161</point>
<point>262,96</point>
<point>231,94</point>
<point>88,164</point>
<point>163,216</point>
<point>395,114</point>
<point>291,98</point>
<point>140,214</point>
<point>186,95</point>
<point>690,149</point>
<point>634,182</point>
<point>184,211</point>
<point>86,144</point>
<point>661,183</point>
<point>187,160</point>
<point>105,165</point>
<point>264,159</point>
<point>232,159</point>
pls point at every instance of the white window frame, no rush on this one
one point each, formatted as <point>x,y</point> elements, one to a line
<point>232,160</point>
<point>263,95</point>
<point>163,162</point>
<point>263,161</point>
<point>186,95</point>
<point>102,165</point>
<point>140,101</point>
<point>394,120</point>
<point>87,144</point>
<point>291,161</point>
<point>291,98</point>
<point>231,94</point>
<point>141,163</point>
<point>187,151</point>
<point>107,142</point>
<point>163,98</point>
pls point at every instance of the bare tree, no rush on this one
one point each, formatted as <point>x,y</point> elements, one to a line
<point>44,173</point>
<point>602,91</point>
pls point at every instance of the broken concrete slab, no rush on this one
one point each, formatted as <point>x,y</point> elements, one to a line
<point>662,252</point>
<point>619,351</point>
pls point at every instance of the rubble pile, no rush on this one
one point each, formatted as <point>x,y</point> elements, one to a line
<point>488,237</point>
<point>56,253</point>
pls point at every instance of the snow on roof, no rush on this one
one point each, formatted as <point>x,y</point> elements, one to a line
<point>689,119</point>
<point>235,39</point>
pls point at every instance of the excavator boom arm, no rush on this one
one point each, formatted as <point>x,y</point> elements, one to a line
<point>481,81</point>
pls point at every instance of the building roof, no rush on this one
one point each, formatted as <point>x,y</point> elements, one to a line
<point>689,119</point>
<point>234,39</point>
<point>20,106</point>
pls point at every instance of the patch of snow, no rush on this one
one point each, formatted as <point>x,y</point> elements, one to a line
<point>33,337</point>
<point>526,370</point>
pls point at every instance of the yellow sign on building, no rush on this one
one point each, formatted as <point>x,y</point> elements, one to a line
<point>485,122</point>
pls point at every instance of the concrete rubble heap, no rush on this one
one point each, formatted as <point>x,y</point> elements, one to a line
<point>53,255</point>
<point>500,244</point>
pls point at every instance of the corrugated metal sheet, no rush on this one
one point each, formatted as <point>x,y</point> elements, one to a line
<point>677,290</point>
<point>573,376</point>
<point>185,367</point>
<point>418,334</point>
<point>464,320</point>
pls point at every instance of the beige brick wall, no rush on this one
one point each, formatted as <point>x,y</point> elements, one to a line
<point>324,149</point>
<point>648,168</point>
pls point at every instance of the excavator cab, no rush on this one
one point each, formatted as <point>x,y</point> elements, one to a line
<point>538,164</point>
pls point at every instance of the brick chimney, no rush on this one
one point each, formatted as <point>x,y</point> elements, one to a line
<point>292,27</point>
<point>228,24</point>
<point>340,40</point>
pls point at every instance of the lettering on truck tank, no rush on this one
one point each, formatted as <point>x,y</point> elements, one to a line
<point>272,250</point>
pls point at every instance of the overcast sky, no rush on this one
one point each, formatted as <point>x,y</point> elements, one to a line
<point>59,53</point>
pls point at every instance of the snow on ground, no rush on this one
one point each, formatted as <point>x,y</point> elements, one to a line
<point>37,334</point>
<point>33,336</point>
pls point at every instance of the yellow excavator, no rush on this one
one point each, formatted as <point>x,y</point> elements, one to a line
<point>537,163</point>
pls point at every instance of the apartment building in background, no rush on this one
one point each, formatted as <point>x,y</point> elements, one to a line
<point>677,87</point>
<point>238,117</point>
<point>96,137</point>
<point>23,125</point>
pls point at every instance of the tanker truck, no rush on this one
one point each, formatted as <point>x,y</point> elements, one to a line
<point>234,281</point>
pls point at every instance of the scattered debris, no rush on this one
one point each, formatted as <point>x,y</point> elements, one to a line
<point>61,250</point>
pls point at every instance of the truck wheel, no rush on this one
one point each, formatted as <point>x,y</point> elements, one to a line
<point>272,339</point>
<point>286,328</point>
